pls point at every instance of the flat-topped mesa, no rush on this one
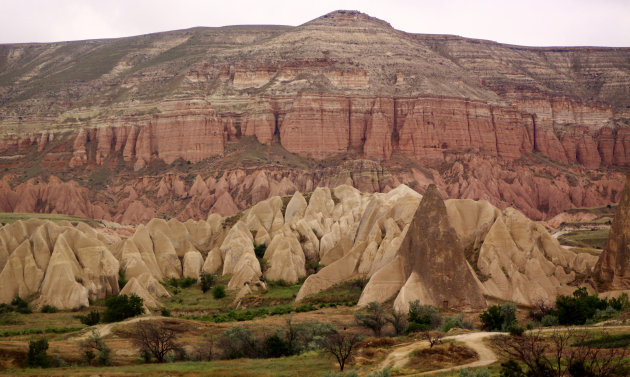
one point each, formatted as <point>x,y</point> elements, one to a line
<point>347,17</point>
<point>613,267</point>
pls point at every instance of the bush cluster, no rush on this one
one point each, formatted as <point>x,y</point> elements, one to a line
<point>499,317</point>
<point>293,339</point>
<point>423,317</point>
<point>580,308</point>
<point>218,292</point>
<point>18,305</point>
<point>37,356</point>
<point>206,281</point>
<point>120,307</point>
<point>90,319</point>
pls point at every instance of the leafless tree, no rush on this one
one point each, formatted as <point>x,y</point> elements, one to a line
<point>562,353</point>
<point>155,338</point>
<point>541,308</point>
<point>341,345</point>
<point>398,320</point>
<point>433,337</point>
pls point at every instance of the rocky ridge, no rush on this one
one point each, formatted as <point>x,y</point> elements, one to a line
<point>356,235</point>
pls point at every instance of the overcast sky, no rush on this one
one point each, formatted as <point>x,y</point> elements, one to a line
<point>531,23</point>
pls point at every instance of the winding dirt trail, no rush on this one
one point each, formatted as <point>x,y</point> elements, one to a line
<point>400,356</point>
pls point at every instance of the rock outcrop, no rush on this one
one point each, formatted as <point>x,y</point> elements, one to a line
<point>613,266</point>
<point>408,247</point>
<point>433,261</point>
<point>61,264</point>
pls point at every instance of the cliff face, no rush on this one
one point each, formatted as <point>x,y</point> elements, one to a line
<point>613,266</point>
<point>344,86</point>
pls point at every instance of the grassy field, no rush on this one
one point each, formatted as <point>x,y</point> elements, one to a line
<point>11,217</point>
<point>588,238</point>
<point>309,364</point>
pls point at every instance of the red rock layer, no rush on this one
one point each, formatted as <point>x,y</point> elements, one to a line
<point>322,125</point>
<point>189,130</point>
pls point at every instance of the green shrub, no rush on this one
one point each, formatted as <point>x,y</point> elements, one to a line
<point>121,279</point>
<point>455,322</point>
<point>120,307</point>
<point>467,372</point>
<point>206,281</point>
<point>373,317</point>
<point>422,317</point>
<point>95,350</point>
<point>602,315</point>
<point>259,250</point>
<point>380,373</point>
<point>511,368</point>
<point>21,306</point>
<point>620,303</point>
<point>187,282</point>
<point>164,312</point>
<point>305,308</point>
<point>218,292</point>
<point>48,309</point>
<point>275,346</point>
<point>90,319</point>
<point>549,320</point>
<point>278,283</point>
<point>579,308</point>
<point>516,330</point>
<point>238,342</point>
<point>37,356</point>
<point>279,310</point>
<point>499,317</point>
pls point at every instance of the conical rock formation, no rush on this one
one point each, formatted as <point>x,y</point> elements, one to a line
<point>613,266</point>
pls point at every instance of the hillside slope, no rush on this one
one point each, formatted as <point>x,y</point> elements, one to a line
<point>541,129</point>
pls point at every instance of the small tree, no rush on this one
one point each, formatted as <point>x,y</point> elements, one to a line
<point>239,341</point>
<point>90,319</point>
<point>275,346</point>
<point>433,337</point>
<point>398,320</point>
<point>120,307</point>
<point>218,292</point>
<point>154,338</point>
<point>21,305</point>
<point>499,318</point>
<point>341,345</point>
<point>423,317</point>
<point>37,356</point>
<point>95,349</point>
<point>259,250</point>
<point>206,281</point>
<point>373,317</point>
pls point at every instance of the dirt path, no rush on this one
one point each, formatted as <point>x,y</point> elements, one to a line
<point>106,329</point>
<point>400,356</point>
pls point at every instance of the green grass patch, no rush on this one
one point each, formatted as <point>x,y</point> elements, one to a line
<point>47,330</point>
<point>344,293</point>
<point>607,341</point>
<point>308,364</point>
<point>592,238</point>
